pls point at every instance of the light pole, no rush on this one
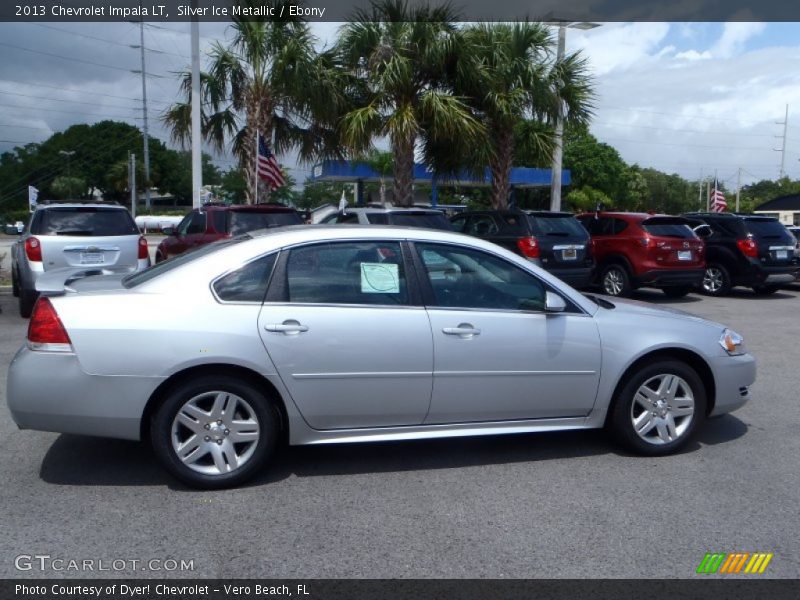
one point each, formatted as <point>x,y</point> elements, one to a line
<point>558,150</point>
<point>68,154</point>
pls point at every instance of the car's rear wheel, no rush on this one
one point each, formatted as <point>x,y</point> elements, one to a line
<point>678,291</point>
<point>215,431</point>
<point>615,281</point>
<point>159,257</point>
<point>14,284</point>
<point>27,298</point>
<point>716,280</point>
<point>659,408</point>
<point>765,290</point>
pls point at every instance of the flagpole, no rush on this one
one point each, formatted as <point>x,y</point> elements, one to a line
<point>255,172</point>
<point>708,196</point>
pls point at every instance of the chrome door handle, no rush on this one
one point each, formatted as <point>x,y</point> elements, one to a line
<point>464,330</point>
<point>287,327</point>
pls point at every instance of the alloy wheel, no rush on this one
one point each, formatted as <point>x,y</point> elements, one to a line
<point>613,282</point>
<point>713,280</point>
<point>662,409</point>
<point>215,433</point>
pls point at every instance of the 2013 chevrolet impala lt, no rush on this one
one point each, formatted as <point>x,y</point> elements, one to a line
<point>322,335</point>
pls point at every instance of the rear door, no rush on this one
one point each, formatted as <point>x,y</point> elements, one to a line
<point>673,243</point>
<point>86,236</point>
<point>563,241</point>
<point>775,243</point>
<point>349,339</point>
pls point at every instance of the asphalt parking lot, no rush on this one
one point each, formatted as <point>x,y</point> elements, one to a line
<point>527,506</point>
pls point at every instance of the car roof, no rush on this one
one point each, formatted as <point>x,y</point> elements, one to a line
<point>392,209</point>
<point>263,208</point>
<point>80,205</point>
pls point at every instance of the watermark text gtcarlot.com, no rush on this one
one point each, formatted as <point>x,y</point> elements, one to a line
<point>47,563</point>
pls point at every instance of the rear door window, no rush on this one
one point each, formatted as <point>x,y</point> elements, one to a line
<point>767,229</point>
<point>247,283</point>
<point>565,226</point>
<point>668,228</point>
<point>84,221</point>
<point>482,225</point>
<point>420,219</point>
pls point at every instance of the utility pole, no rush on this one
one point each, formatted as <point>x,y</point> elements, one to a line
<point>738,187</point>
<point>558,149</point>
<point>144,114</point>
<point>782,149</point>
<point>132,182</point>
<point>197,157</point>
<point>700,192</point>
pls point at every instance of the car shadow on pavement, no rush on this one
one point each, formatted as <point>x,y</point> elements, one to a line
<point>85,461</point>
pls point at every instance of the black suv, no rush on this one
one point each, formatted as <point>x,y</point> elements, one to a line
<point>744,250</point>
<point>555,241</point>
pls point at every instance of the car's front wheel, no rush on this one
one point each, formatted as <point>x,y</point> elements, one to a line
<point>615,281</point>
<point>215,431</point>
<point>14,284</point>
<point>27,298</point>
<point>659,408</point>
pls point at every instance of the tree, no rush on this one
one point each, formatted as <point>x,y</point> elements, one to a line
<point>399,56</point>
<point>595,164</point>
<point>383,164</point>
<point>269,80</point>
<point>508,74</point>
<point>65,188</point>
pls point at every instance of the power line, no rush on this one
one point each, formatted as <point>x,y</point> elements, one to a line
<point>71,112</point>
<point>677,144</point>
<point>683,130</point>
<point>83,35</point>
<point>84,91</point>
<point>685,116</point>
<point>67,100</point>
<point>69,58</point>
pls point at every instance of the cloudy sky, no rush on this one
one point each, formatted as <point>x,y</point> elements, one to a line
<point>690,98</point>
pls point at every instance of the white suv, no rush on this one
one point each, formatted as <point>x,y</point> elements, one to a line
<point>407,217</point>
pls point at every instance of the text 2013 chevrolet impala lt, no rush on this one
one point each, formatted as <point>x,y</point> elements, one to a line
<point>323,335</point>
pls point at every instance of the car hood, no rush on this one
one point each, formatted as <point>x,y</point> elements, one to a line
<point>638,308</point>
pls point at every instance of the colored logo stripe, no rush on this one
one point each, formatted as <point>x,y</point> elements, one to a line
<point>734,562</point>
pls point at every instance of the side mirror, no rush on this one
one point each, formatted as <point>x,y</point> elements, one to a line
<point>703,231</point>
<point>169,230</point>
<point>554,303</point>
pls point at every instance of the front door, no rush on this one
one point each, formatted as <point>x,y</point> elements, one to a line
<point>497,354</point>
<point>348,343</point>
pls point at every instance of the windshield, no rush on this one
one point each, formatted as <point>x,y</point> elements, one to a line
<point>558,226</point>
<point>411,219</point>
<point>767,228</point>
<point>668,228</point>
<point>245,221</point>
<point>140,277</point>
<point>95,221</point>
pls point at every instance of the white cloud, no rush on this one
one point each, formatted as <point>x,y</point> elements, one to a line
<point>734,37</point>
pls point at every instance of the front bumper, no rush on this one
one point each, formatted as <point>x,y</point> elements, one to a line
<point>733,376</point>
<point>69,400</point>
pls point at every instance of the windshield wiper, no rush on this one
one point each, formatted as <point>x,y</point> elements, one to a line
<point>74,232</point>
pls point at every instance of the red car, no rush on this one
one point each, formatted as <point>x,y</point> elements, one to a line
<point>642,250</point>
<point>214,222</point>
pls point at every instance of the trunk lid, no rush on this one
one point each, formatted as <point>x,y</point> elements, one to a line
<point>672,243</point>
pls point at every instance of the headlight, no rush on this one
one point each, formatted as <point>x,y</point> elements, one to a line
<point>732,342</point>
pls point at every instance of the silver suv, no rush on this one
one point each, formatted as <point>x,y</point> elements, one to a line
<point>80,238</point>
<point>379,215</point>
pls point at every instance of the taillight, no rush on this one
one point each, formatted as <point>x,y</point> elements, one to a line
<point>645,242</point>
<point>45,330</point>
<point>748,247</point>
<point>529,247</point>
<point>33,249</point>
<point>143,252</point>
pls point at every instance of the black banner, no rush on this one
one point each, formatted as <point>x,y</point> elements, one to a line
<point>342,10</point>
<point>406,589</point>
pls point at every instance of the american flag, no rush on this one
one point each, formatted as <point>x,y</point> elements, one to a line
<point>717,199</point>
<point>268,168</point>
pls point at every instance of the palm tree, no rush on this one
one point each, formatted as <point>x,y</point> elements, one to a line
<point>383,164</point>
<point>269,79</point>
<point>513,81</point>
<point>399,56</point>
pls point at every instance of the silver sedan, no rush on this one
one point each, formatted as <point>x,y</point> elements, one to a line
<point>327,335</point>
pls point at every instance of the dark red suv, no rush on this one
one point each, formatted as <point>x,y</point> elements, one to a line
<point>642,250</point>
<point>214,222</point>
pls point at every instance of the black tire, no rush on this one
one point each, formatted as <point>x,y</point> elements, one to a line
<point>678,291</point>
<point>264,411</point>
<point>14,284</point>
<point>765,290</point>
<point>620,419</point>
<point>716,280</point>
<point>159,257</point>
<point>615,281</point>
<point>27,298</point>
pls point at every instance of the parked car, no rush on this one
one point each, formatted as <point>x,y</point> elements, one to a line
<point>745,250</point>
<point>635,250</point>
<point>325,335</point>
<point>795,231</point>
<point>555,241</point>
<point>379,215</point>
<point>74,238</point>
<point>215,222</point>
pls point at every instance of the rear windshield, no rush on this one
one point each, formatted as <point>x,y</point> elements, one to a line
<point>240,222</point>
<point>668,228</point>
<point>84,221</point>
<point>158,269</point>
<point>767,228</point>
<point>429,220</point>
<point>558,226</point>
